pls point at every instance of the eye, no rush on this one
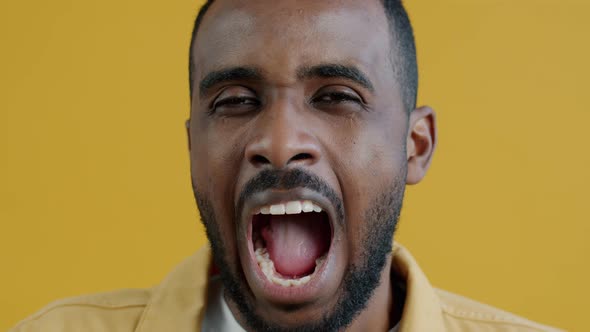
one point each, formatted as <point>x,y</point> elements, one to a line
<point>234,101</point>
<point>338,99</point>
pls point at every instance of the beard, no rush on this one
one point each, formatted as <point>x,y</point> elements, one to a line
<point>362,276</point>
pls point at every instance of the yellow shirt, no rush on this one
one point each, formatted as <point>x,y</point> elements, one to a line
<point>178,304</point>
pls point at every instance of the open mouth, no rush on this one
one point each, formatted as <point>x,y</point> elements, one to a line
<point>291,241</point>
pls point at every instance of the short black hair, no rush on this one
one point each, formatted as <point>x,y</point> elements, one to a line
<point>403,55</point>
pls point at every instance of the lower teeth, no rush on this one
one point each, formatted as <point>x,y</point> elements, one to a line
<point>268,268</point>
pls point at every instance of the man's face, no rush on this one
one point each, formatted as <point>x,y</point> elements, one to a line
<point>295,108</point>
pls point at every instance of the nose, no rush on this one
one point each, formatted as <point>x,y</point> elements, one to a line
<point>282,139</point>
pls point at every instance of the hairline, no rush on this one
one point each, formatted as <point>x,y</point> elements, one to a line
<point>404,66</point>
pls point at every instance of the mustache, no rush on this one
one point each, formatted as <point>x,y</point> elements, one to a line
<point>290,179</point>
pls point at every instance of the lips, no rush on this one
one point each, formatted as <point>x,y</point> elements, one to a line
<point>289,240</point>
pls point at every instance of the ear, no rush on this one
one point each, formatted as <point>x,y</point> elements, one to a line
<point>187,124</point>
<point>420,143</point>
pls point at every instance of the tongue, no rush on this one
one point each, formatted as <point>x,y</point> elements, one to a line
<point>294,242</point>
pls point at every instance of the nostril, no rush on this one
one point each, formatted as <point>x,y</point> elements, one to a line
<point>259,160</point>
<point>301,156</point>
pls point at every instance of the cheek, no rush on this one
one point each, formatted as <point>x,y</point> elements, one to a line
<point>215,154</point>
<point>368,155</point>
<point>369,164</point>
<point>211,168</point>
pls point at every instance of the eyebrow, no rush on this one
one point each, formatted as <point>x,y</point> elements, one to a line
<point>249,73</point>
<point>228,74</point>
<point>336,71</point>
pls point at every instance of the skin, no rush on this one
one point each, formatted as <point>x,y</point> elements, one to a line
<point>286,120</point>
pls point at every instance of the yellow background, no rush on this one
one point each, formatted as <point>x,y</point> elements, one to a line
<point>94,177</point>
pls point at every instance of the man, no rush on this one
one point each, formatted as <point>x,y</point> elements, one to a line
<point>303,135</point>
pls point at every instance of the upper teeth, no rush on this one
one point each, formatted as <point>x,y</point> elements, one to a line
<point>292,207</point>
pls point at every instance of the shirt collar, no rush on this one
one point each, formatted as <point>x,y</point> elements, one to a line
<point>422,308</point>
<point>177,304</point>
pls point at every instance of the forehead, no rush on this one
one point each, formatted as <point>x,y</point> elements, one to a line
<point>278,36</point>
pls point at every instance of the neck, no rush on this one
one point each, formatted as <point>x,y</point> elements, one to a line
<point>379,314</point>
